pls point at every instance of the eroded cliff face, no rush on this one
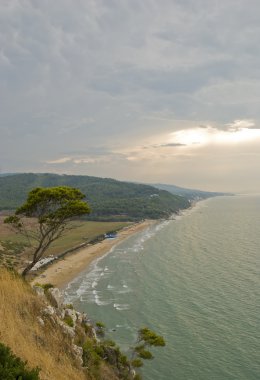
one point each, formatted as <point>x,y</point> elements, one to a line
<point>65,344</point>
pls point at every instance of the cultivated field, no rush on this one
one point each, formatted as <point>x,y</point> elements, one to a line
<point>14,248</point>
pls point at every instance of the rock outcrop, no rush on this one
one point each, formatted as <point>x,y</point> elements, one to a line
<point>86,347</point>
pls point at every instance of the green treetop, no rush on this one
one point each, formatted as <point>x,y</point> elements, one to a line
<point>53,208</point>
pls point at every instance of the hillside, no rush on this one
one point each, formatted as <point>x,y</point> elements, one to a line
<point>41,330</point>
<point>191,194</point>
<point>108,198</point>
<point>42,346</point>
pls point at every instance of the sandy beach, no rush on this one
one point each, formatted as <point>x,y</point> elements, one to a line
<point>61,272</point>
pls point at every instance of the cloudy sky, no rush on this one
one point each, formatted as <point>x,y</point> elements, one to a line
<point>151,91</point>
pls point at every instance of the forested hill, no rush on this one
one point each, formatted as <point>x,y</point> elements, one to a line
<point>108,198</point>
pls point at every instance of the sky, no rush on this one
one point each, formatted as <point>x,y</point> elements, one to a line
<point>150,91</point>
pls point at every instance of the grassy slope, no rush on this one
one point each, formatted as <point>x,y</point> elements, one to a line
<point>45,346</point>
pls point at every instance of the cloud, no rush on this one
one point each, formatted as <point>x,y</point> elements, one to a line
<point>163,145</point>
<point>62,160</point>
<point>167,145</point>
<point>237,125</point>
<point>86,84</point>
<point>238,132</point>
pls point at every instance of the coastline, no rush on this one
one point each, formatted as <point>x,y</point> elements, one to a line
<point>61,272</point>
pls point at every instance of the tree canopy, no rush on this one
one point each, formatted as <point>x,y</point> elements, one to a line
<point>53,208</point>
<point>146,338</point>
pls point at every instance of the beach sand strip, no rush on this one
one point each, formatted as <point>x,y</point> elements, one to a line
<point>61,272</point>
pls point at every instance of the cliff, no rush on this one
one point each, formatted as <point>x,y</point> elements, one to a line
<point>62,342</point>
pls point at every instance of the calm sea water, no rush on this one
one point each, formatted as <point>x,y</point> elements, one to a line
<point>194,280</point>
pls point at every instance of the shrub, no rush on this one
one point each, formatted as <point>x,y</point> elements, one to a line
<point>13,368</point>
<point>100,325</point>
<point>90,356</point>
<point>137,363</point>
<point>69,306</point>
<point>109,343</point>
<point>145,354</point>
<point>100,329</point>
<point>45,286</point>
<point>69,321</point>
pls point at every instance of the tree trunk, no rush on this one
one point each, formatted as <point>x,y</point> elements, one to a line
<point>28,268</point>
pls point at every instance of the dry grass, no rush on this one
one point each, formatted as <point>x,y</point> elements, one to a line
<point>44,347</point>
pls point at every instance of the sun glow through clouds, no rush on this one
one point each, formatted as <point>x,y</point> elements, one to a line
<point>210,135</point>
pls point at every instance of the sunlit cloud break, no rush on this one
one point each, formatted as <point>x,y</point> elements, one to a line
<point>62,160</point>
<point>239,132</point>
<point>84,160</point>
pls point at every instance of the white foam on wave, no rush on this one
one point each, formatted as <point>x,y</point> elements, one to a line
<point>90,280</point>
<point>145,235</point>
<point>124,291</point>
<point>110,287</point>
<point>97,299</point>
<point>121,307</point>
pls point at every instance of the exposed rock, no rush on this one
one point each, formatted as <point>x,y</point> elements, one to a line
<point>77,328</point>
<point>85,318</point>
<point>41,321</point>
<point>94,334</point>
<point>61,313</point>
<point>78,353</point>
<point>79,317</point>
<point>55,297</point>
<point>49,310</point>
<point>67,329</point>
<point>38,290</point>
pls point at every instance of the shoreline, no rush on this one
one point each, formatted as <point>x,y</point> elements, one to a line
<point>61,272</point>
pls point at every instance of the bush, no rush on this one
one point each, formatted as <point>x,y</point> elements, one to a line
<point>145,354</point>
<point>109,343</point>
<point>13,368</point>
<point>137,363</point>
<point>90,356</point>
<point>69,321</point>
<point>45,286</point>
<point>69,306</point>
<point>100,325</point>
<point>100,329</point>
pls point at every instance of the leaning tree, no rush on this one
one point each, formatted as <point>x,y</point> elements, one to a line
<point>53,209</point>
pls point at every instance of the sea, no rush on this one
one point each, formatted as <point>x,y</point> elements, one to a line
<point>195,280</point>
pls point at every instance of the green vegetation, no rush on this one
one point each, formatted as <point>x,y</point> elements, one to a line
<point>94,353</point>
<point>13,368</point>
<point>69,321</point>
<point>45,286</point>
<point>109,199</point>
<point>146,338</point>
<point>100,329</point>
<point>53,208</point>
<point>109,351</point>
